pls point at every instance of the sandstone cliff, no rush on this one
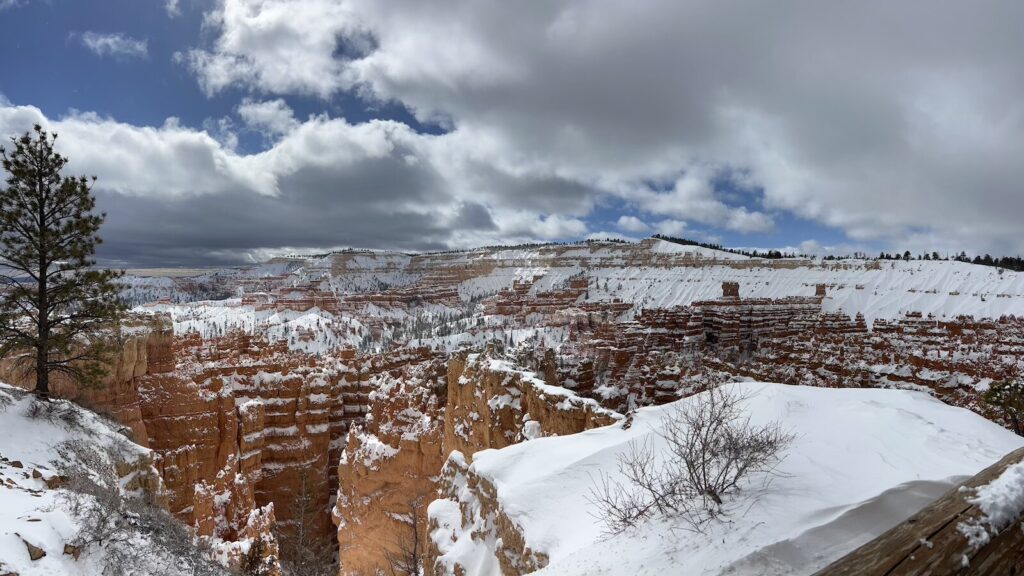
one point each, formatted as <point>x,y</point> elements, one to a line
<point>388,467</point>
<point>391,467</point>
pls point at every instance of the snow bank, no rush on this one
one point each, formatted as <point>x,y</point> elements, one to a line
<point>30,512</point>
<point>862,460</point>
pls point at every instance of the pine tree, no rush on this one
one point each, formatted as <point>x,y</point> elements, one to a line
<point>54,303</point>
<point>1007,398</point>
<point>305,550</point>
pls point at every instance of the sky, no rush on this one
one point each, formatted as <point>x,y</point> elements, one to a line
<point>230,131</point>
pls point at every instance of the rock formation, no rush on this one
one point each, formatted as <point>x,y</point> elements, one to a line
<point>352,376</point>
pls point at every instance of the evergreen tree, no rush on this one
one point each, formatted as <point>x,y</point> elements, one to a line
<point>304,549</point>
<point>1007,398</point>
<point>54,304</point>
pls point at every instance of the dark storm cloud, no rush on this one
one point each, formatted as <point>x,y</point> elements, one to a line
<point>223,229</point>
<point>473,216</point>
<point>896,123</point>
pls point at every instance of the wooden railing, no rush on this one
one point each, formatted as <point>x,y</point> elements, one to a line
<point>931,542</point>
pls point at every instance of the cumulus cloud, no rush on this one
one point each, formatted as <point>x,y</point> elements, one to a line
<point>172,8</point>
<point>114,45</point>
<point>272,117</point>
<point>632,224</point>
<point>277,46</point>
<point>675,228</point>
<point>693,197</point>
<point>876,118</point>
<point>178,195</point>
<point>898,124</point>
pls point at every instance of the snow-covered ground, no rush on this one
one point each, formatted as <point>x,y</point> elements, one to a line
<point>862,460</point>
<point>30,512</point>
<point>888,290</point>
<point>651,274</point>
<point>313,331</point>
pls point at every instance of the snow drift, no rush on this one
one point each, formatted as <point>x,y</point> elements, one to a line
<point>862,460</point>
<point>48,528</point>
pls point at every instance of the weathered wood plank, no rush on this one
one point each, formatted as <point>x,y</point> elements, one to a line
<point>930,544</point>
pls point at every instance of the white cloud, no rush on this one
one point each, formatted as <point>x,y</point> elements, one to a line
<point>519,223</point>
<point>116,45</point>
<point>607,235</point>
<point>671,228</point>
<point>693,198</point>
<point>272,117</point>
<point>175,194</point>
<point>167,161</point>
<point>812,247</point>
<point>554,108</point>
<point>172,8</point>
<point>222,130</point>
<point>632,224</point>
<point>917,127</point>
<point>743,220</point>
<point>277,46</point>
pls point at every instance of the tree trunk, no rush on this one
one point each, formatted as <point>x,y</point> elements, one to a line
<point>42,374</point>
<point>43,345</point>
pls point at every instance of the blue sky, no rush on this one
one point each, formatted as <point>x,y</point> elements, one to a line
<point>44,63</point>
<point>304,125</point>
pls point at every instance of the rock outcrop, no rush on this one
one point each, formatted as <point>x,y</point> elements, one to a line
<point>469,509</point>
<point>493,404</point>
<point>386,363</point>
<point>391,467</point>
<point>388,468</point>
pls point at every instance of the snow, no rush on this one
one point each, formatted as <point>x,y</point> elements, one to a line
<point>862,460</point>
<point>313,331</point>
<point>570,400</point>
<point>371,449</point>
<point>665,247</point>
<point>648,274</point>
<point>29,511</point>
<point>1001,502</point>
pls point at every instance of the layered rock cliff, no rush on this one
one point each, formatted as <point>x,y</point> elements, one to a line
<point>388,468</point>
<point>391,468</point>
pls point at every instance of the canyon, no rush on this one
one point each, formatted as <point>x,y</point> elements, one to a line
<point>338,396</point>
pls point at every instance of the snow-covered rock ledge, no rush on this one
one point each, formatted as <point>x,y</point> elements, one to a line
<point>34,520</point>
<point>861,462</point>
<point>77,497</point>
<point>493,403</point>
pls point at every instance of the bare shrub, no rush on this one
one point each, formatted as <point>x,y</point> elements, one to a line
<point>305,551</point>
<point>61,412</point>
<point>1006,399</point>
<point>408,559</point>
<point>710,448</point>
<point>134,534</point>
